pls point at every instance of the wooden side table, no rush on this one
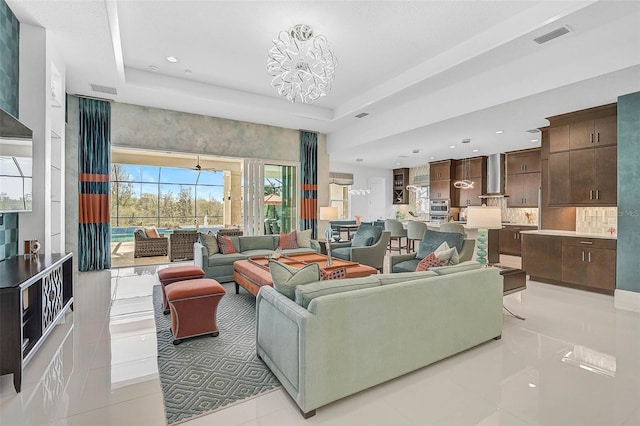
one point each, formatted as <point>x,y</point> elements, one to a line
<point>514,280</point>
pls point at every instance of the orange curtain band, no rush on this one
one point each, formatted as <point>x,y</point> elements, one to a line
<point>309,187</point>
<point>93,177</point>
<point>94,208</point>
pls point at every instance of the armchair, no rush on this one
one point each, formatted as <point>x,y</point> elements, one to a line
<point>145,246</point>
<point>181,244</point>
<point>370,255</point>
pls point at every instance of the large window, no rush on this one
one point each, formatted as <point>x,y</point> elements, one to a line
<point>165,197</point>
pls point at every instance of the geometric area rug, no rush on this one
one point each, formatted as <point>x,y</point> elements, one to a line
<point>204,374</point>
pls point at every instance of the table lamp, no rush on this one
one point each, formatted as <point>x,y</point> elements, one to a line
<point>483,218</point>
<point>328,213</point>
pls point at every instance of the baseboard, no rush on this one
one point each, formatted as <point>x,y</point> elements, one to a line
<point>627,300</point>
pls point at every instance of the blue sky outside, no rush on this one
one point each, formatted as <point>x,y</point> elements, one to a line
<point>146,179</point>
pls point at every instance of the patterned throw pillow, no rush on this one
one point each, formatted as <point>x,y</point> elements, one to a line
<point>286,279</point>
<point>333,274</point>
<point>288,241</point>
<point>226,245</point>
<point>210,242</point>
<point>429,261</point>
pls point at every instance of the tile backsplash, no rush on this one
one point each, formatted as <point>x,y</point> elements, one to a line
<point>9,236</point>
<point>597,220</point>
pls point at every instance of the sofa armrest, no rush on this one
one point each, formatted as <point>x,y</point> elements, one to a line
<point>315,244</point>
<point>200,253</point>
<point>467,250</point>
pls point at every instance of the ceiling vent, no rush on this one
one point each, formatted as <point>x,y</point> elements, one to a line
<point>551,35</point>
<point>362,115</point>
<point>533,131</point>
<point>103,89</point>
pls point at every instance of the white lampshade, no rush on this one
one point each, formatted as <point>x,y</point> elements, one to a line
<point>328,213</point>
<point>484,217</point>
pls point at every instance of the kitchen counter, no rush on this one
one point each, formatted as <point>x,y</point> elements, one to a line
<point>559,233</point>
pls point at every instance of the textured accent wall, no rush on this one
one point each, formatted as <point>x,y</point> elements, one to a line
<point>628,194</point>
<point>9,236</point>
<point>9,59</point>
<point>165,130</point>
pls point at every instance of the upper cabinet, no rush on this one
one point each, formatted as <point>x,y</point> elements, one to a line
<point>523,178</point>
<point>477,172</point>
<point>400,182</point>
<point>583,158</point>
<point>440,180</point>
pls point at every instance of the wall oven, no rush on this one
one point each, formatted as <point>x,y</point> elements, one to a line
<point>439,211</point>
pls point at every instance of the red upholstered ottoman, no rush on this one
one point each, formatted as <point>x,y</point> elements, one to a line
<point>175,274</point>
<point>193,305</point>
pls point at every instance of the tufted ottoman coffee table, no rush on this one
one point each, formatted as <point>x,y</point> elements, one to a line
<point>194,305</point>
<point>175,274</point>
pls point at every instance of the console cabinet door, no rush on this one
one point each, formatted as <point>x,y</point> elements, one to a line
<point>542,256</point>
<point>574,264</point>
<point>582,167</point>
<point>602,269</point>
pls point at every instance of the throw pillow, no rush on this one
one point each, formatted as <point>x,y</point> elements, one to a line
<point>226,245</point>
<point>449,256</point>
<point>288,241</point>
<point>304,238</point>
<point>429,261</point>
<point>286,279</point>
<point>333,274</point>
<point>210,242</point>
<point>151,232</point>
<point>141,233</point>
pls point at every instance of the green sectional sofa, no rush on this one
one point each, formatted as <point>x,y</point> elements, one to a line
<point>338,338</point>
<point>220,266</point>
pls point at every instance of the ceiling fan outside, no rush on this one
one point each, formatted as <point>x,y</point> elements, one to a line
<point>199,168</point>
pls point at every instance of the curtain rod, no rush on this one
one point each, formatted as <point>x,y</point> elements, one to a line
<point>92,97</point>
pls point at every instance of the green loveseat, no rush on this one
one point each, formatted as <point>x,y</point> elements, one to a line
<point>356,333</point>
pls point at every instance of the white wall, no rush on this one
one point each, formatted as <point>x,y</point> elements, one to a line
<point>36,55</point>
<point>361,178</point>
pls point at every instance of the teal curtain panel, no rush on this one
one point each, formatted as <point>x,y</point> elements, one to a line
<point>94,233</point>
<point>309,182</point>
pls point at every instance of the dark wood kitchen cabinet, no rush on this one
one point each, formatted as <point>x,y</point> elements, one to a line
<point>583,158</point>
<point>523,178</point>
<point>542,257</point>
<point>440,180</point>
<point>400,182</point>
<point>511,239</point>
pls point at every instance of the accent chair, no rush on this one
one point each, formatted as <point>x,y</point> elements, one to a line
<point>367,247</point>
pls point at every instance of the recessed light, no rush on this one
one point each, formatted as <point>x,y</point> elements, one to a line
<point>499,132</point>
<point>532,385</point>
<point>476,150</point>
<point>397,164</point>
<point>153,68</point>
<point>534,140</point>
<point>452,146</point>
<point>172,59</point>
<point>432,158</point>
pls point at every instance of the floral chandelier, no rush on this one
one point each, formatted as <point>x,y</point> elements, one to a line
<point>302,65</point>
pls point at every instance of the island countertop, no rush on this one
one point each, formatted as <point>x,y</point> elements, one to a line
<point>561,233</point>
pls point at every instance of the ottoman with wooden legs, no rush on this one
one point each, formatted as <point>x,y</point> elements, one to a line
<point>176,274</point>
<point>193,305</point>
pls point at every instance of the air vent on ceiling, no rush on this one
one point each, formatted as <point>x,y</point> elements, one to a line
<point>551,35</point>
<point>362,115</point>
<point>533,131</point>
<point>103,89</point>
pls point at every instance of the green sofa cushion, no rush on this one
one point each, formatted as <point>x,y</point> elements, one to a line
<point>225,259</point>
<point>406,266</point>
<point>460,267</point>
<point>306,293</point>
<point>386,279</point>
<point>432,240</point>
<point>343,253</point>
<point>286,279</point>
<point>258,242</point>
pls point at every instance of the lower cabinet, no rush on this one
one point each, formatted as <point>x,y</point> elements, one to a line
<point>586,262</point>
<point>590,262</point>
<point>510,239</point>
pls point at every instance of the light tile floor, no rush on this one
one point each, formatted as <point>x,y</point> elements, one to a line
<point>575,360</point>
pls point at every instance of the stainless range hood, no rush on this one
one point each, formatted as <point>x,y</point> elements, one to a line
<point>495,177</point>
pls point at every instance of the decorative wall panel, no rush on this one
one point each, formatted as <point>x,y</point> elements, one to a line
<point>9,59</point>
